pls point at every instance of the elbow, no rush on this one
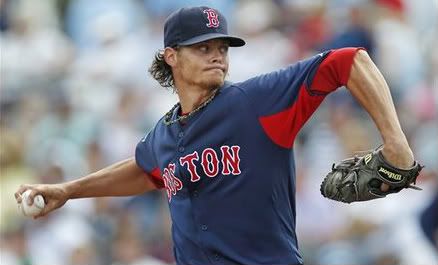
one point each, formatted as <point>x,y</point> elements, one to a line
<point>362,58</point>
<point>363,71</point>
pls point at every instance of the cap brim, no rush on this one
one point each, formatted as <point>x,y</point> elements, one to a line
<point>234,41</point>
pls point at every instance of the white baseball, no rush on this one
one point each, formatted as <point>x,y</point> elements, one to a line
<point>35,208</point>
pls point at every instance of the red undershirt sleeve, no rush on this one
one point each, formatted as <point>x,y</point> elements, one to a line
<point>155,177</point>
<point>334,71</point>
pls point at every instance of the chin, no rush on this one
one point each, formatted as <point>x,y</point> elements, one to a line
<point>214,83</point>
<point>217,84</point>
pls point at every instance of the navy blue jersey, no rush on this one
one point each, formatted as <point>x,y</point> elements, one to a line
<point>229,171</point>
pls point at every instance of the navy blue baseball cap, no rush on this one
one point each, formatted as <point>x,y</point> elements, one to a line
<point>188,26</point>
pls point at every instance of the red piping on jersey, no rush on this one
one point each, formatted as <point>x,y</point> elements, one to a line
<point>155,177</point>
<point>333,72</point>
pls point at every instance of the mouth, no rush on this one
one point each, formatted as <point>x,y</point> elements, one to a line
<point>219,68</point>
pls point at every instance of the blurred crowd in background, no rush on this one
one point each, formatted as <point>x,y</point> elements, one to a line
<point>75,97</point>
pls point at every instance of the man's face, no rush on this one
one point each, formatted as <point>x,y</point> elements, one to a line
<point>204,64</point>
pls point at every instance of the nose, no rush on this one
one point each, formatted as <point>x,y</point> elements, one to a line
<point>217,56</point>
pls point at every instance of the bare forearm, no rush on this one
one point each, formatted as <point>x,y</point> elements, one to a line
<point>368,86</point>
<point>370,89</point>
<point>124,178</point>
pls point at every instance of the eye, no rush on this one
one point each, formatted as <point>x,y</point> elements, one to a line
<point>223,49</point>
<point>203,48</point>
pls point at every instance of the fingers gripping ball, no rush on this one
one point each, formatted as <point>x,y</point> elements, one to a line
<point>33,209</point>
<point>362,178</point>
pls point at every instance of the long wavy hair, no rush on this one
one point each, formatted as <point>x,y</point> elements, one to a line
<point>161,71</point>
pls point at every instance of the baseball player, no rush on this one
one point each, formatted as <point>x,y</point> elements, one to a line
<point>223,153</point>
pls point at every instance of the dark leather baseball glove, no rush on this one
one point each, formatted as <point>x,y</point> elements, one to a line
<point>359,178</point>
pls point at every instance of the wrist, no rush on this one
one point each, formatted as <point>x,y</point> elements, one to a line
<point>391,135</point>
<point>69,189</point>
<point>396,142</point>
<point>398,153</point>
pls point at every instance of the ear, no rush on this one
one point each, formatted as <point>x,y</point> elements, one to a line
<point>170,56</point>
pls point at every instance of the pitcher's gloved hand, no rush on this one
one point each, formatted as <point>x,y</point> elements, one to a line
<point>360,178</point>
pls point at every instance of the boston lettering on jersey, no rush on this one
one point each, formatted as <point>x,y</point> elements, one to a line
<point>208,160</point>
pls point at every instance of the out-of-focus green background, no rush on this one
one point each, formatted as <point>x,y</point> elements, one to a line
<point>75,97</point>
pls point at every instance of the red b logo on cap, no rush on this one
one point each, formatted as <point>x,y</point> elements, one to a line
<point>213,21</point>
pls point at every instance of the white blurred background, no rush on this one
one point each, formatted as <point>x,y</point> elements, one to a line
<point>75,97</point>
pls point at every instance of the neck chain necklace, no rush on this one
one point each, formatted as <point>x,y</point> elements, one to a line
<point>168,116</point>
